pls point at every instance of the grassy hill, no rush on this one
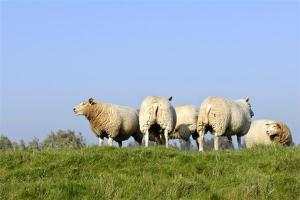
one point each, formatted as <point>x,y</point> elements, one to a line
<point>153,173</point>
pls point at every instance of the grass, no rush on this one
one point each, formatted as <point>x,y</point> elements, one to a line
<point>152,173</point>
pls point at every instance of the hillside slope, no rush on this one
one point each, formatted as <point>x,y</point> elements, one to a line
<point>153,173</point>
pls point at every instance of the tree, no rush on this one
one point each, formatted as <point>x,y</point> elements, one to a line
<point>5,143</point>
<point>22,145</point>
<point>34,144</point>
<point>64,139</point>
<point>14,146</point>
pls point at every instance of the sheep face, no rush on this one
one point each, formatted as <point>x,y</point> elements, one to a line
<point>83,107</point>
<point>247,104</point>
<point>273,129</point>
<point>279,133</point>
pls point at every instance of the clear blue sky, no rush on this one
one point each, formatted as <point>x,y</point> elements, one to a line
<point>56,54</point>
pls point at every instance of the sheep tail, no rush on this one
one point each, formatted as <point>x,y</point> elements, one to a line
<point>203,117</point>
<point>208,108</point>
<point>155,110</point>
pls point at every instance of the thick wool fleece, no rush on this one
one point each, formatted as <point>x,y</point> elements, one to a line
<point>186,122</point>
<point>117,122</point>
<point>224,117</point>
<point>257,134</point>
<point>157,111</point>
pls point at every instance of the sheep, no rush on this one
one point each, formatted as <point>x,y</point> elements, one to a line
<point>223,117</point>
<point>152,136</point>
<point>110,121</point>
<point>157,117</point>
<point>186,124</point>
<point>265,132</point>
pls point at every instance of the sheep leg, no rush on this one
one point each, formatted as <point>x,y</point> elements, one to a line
<point>139,143</point>
<point>229,139</point>
<point>120,144</point>
<point>239,142</point>
<point>101,140</point>
<point>188,145</point>
<point>200,141</point>
<point>166,138</point>
<point>110,141</point>
<point>230,142</point>
<point>216,142</point>
<point>147,138</point>
<point>197,143</point>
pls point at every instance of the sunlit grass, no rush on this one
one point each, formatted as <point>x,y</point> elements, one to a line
<point>152,173</point>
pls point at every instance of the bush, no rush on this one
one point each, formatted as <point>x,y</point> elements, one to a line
<point>34,144</point>
<point>15,146</point>
<point>64,139</point>
<point>5,143</point>
<point>21,145</point>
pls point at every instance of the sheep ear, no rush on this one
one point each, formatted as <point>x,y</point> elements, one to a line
<point>267,124</point>
<point>170,98</point>
<point>277,124</point>
<point>247,99</point>
<point>91,101</point>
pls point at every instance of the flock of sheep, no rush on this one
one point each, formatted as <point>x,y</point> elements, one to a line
<point>158,121</point>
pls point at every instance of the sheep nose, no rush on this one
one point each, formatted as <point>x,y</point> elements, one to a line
<point>74,109</point>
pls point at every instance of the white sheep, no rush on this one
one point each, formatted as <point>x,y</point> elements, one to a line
<point>265,132</point>
<point>186,124</point>
<point>157,117</point>
<point>223,117</point>
<point>111,121</point>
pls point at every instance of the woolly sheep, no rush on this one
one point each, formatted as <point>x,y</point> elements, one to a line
<point>186,124</point>
<point>223,117</point>
<point>157,117</point>
<point>265,132</point>
<point>111,121</point>
<point>152,136</point>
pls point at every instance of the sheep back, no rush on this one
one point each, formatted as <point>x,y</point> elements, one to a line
<point>214,112</point>
<point>224,117</point>
<point>186,122</point>
<point>257,134</point>
<point>157,110</point>
<point>118,122</point>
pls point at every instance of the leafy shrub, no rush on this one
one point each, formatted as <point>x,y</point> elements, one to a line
<point>64,139</point>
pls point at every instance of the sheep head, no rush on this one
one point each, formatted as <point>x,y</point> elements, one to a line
<point>246,103</point>
<point>249,105</point>
<point>279,133</point>
<point>273,129</point>
<point>84,107</point>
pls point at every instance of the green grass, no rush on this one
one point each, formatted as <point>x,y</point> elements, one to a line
<point>152,173</point>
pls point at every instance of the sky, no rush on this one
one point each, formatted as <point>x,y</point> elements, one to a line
<point>55,54</point>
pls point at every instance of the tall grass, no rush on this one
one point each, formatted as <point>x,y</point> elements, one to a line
<point>151,173</point>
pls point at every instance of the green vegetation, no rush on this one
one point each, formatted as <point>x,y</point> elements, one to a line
<point>5,143</point>
<point>152,173</point>
<point>55,140</point>
<point>64,139</point>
